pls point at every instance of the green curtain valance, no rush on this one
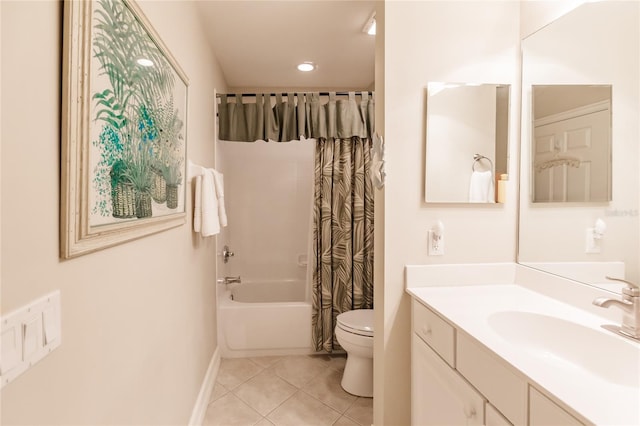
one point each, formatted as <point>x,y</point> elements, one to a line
<point>299,115</point>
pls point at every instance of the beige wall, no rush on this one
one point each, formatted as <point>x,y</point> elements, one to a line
<point>380,391</point>
<point>138,320</point>
<point>535,14</point>
<point>434,41</point>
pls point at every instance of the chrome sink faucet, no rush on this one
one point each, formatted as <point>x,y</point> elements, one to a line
<point>630,305</point>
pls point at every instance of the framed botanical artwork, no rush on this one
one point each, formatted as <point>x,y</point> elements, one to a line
<point>124,121</point>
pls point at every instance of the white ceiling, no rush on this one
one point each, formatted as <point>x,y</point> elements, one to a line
<point>259,43</point>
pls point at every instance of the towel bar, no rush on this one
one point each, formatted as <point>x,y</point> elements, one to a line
<point>478,157</point>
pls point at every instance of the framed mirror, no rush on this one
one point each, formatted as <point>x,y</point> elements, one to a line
<point>576,55</point>
<point>571,143</point>
<point>466,142</point>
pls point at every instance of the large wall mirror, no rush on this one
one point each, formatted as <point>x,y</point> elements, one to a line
<point>571,224</point>
<point>467,142</point>
<point>571,143</point>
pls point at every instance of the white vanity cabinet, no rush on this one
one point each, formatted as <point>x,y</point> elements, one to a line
<point>500,384</point>
<point>439,395</point>
<point>455,380</point>
<point>492,417</point>
<point>543,411</point>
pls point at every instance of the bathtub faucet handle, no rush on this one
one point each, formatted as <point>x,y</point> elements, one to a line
<point>232,280</point>
<point>226,254</point>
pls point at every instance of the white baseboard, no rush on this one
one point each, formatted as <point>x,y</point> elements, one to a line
<point>199,410</point>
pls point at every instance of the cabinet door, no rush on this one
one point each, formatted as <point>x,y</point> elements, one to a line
<point>493,417</point>
<point>439,395</point>
<point>544,412</point>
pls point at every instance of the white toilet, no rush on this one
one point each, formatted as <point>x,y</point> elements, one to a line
<point>354,331</point>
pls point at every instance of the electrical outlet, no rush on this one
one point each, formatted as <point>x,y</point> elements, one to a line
<point>592,244</point>
<point>435,244</point>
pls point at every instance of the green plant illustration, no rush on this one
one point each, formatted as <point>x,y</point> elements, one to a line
<point>137,157</point>
<point>110,154</point>
<point>169,142</point>
<point>141,128</point>
<point>119,44</point>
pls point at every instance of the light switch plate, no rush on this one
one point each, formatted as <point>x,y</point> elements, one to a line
<point>31,337</point>
<point>51,324</point>
<point>11,348</point>
<point>23,336</point>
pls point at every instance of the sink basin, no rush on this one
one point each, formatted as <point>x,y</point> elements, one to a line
<point>569,345</point>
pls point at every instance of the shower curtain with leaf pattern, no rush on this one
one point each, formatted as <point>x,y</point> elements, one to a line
<point>342,276</point>
<point>342,233</point>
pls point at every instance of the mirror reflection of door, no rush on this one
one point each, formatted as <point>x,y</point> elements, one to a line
<point>572,143</point>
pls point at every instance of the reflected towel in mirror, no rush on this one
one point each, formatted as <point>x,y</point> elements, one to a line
<point>481,187</point>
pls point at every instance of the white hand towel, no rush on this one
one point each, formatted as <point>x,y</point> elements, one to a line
<point>209,203</point>
<point>197,208</point>
<point>481,188</point>
<point>194,170</point>
<point>218,179</point>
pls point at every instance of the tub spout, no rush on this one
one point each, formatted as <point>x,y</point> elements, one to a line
<point>229,280</point>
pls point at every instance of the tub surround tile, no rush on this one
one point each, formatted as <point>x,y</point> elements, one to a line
<point>235,371</point>
<point>326,388</point>
<point>302,409</point>
<point>265,392</point>
<point>230,410</point>
<point>361,411</point>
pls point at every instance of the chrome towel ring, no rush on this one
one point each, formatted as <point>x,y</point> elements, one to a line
<point>478,157</point>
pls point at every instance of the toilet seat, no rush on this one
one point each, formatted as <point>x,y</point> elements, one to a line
<point>359,321</point>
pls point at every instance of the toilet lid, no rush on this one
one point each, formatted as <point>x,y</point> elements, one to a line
<point>359,321</point>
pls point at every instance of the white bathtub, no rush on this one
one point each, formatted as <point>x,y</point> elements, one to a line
<point>264,318</point>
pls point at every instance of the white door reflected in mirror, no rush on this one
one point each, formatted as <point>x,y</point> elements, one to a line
<point>571,143</point>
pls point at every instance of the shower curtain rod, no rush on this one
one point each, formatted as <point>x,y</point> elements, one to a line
<point>232,95</point>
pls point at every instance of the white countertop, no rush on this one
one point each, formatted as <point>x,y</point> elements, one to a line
<point>587,392</point>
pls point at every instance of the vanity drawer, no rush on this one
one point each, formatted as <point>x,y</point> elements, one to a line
<point>489,374</point>
<point>435,331</point>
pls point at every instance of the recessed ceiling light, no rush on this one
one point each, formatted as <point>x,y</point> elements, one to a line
<point>306,66</point>
<point>145,62</point>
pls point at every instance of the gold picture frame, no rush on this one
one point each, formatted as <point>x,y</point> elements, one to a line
<point>124,121</point>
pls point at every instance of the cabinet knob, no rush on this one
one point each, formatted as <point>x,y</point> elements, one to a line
<point>469,412</point>
<point>426,329</point>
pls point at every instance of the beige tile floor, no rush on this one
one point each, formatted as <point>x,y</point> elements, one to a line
<point>299,390</point>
